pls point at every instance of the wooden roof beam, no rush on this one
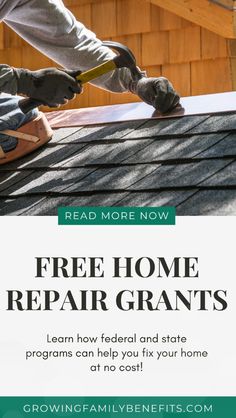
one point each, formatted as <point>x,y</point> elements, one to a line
<point>228,4</point>
<point>206,13</point>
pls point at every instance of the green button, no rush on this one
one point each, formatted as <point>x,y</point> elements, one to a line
<point>90,215</point>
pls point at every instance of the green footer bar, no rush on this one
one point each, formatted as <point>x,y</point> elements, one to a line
<point>119,215</point>
<point>214,407</point>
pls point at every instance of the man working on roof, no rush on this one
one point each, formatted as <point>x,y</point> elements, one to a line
<point>51,28</point>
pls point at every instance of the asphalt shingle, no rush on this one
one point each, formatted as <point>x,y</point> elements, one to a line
<point>188,162</point>
<point>118,178</point>
<point>20,206</point>
<point>226,177</point>
<point>154,199</point>
<point>49,204</point>
<point>216,123</point>
<point>175,126</point>
<point>47,182</point>
<point>178,148</point>
<point>224,148</point>
<point>209,202</point>
<point>62,135</point>
<point>100,132</point>
<point>103,154</point>
<point>181,175</point>
<point>44,158</point>
<point>13,179</point>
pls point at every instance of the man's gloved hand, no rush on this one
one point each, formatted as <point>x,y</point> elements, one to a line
<point>158,92</point>
<point>51,86</point>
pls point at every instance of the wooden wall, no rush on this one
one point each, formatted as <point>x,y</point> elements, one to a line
<point>194,59</point>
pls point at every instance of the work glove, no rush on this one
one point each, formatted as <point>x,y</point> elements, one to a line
<point>51,86</point>
<point>157,92</point>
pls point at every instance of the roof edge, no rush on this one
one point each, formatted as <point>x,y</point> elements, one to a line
<point>189,106</point>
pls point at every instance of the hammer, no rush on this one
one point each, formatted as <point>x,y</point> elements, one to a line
<point>124,58</point>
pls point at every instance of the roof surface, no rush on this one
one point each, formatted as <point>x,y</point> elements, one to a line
<point>189,162</point>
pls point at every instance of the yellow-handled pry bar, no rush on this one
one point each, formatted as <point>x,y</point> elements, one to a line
<point>124,58</point>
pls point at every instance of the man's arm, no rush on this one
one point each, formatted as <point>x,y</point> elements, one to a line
<point>52,29</point>
<point>41,85</point>
<point>8,82</point>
